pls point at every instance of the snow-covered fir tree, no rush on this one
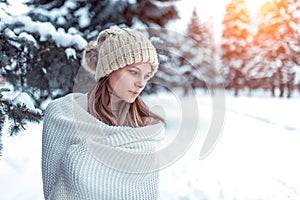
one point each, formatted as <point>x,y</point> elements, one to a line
<point>187,58</point>
<point>200,51</point>
<point>235,40</point>
<point>275,52</point>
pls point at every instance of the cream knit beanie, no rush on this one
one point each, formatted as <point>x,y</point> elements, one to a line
<point>117,48</point>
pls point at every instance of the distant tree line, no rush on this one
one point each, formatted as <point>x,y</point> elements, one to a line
<point>262,52</point>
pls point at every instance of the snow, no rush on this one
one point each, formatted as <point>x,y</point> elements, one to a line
<point>70,52</point>
<point>83,14</point>
<point>44,29</point>
<point>257,156</point>
<point>24,98</point>
<point>28,37</point>
<point>15,7</point>
<point>9,32</point>
<point>18,97</point>
<point>57,12</point>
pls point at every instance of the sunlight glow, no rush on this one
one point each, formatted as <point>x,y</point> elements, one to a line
<point>254,5</point>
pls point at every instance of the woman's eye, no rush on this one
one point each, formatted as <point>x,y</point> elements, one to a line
<point>132,72</point>
<point>147,76</point>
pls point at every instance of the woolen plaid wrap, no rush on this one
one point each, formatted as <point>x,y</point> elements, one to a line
<point>85,159</point>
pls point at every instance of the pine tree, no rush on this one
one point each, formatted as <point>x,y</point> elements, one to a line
<point>234,44</point>
<point>169,75</point>
<point>187,58</point>
<point>277,44</point>
<point>90,16</point>
<point>201,52</point>
<point>41,52</point>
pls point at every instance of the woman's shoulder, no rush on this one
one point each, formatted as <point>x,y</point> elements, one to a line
<point>65,100</point>
<point>62,104</point>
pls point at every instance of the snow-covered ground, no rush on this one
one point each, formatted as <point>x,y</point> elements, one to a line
<point>257,156</point>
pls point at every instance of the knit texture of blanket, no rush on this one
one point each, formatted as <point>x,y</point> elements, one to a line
<point>83,158</point>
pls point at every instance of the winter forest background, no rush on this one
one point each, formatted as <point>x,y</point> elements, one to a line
<point>40,51</point>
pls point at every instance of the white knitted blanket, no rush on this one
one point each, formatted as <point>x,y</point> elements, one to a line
<point>83,158</point>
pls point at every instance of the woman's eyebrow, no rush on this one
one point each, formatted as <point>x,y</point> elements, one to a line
<point>137,68</point>
<point>141,70</point>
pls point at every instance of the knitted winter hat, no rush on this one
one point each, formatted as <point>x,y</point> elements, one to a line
<point>117,48</point>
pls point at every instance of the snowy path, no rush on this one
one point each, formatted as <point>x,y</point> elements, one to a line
<point>257,157</point>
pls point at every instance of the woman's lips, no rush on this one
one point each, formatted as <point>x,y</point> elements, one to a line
<point>134,93</point>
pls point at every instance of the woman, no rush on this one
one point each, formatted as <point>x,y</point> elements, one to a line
<point>102,145</point>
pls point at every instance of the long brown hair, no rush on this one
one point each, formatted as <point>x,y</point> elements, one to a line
<point>129,114</point>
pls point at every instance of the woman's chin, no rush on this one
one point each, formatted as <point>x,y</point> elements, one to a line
<point>130,100</point>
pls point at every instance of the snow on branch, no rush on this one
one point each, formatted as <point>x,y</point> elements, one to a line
<point>44,29</point>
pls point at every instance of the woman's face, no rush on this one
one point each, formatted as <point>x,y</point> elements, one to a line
<point>128,82</point>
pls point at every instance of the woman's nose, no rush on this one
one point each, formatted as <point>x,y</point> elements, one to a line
<point>141,82</point>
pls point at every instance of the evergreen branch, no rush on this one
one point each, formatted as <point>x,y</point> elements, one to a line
<point>17,114</point>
